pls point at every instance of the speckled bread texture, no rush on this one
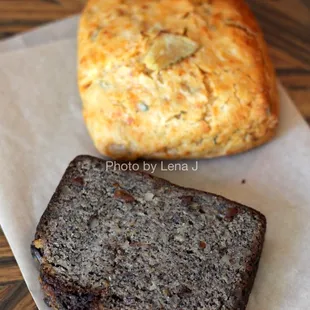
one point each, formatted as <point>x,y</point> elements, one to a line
<point>118,240</point>
<point>218,99</point>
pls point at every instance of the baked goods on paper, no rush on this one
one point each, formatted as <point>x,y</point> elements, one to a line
<point>113,239</point>
<point>175,79</point>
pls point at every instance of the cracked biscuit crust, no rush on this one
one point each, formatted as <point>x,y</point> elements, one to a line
<point>175,78</point>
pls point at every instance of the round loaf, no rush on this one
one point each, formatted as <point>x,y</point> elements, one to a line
<point>175,78</point>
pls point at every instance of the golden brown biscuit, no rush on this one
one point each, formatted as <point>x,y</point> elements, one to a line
<point>175,78</point>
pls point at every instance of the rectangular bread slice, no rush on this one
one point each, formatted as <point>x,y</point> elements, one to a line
<point>129,240</point>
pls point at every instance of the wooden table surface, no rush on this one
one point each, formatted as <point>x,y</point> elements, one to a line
<point>286,24</point>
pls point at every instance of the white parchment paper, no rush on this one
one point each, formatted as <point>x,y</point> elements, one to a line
<point>51,32</point>
<point>41,130</point>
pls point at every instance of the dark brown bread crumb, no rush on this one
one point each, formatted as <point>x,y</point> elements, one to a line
<point>128,240</point>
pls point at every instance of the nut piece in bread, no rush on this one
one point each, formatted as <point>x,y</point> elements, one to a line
<point>175,78</point>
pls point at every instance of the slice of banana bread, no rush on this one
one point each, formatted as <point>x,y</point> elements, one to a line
<point>128,240</point>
